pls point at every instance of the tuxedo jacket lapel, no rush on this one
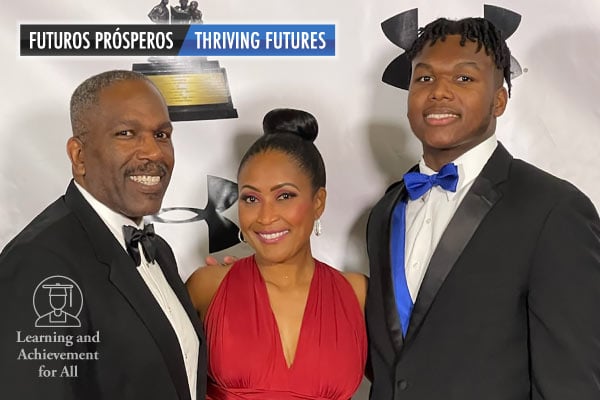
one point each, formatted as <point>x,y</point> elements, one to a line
<point>478,201</point>
<point>391,311</point>
<point>380,232</point>
<point>123,275</point>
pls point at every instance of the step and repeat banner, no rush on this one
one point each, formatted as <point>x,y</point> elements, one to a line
<point>240,59</point>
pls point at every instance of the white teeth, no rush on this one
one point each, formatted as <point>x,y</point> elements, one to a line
<point>441,116</point>
<point>271,236</point>
<point>148,180</point>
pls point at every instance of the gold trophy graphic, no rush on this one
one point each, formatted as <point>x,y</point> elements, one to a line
<point>194,88</point>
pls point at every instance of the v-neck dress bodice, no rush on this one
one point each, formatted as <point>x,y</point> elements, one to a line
<point>246,359</point>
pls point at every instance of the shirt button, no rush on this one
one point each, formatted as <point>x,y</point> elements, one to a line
<point>402,384</point>
<point>416,265</point>
<point>428,220</point>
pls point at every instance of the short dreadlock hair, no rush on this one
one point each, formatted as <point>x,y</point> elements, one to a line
<point>479,30</point>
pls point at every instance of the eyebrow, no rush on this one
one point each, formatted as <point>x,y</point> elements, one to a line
<point>279,186</point>
<point>471,64</point>
<point>166,124</point>
<point>136,123</point>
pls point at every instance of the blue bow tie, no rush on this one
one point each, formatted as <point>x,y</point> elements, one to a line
<point>417,184</point>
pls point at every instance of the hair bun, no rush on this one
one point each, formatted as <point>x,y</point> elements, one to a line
<point>289,120</point>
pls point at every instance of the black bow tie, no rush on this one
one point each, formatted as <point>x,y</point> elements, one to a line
<point>146,237</point>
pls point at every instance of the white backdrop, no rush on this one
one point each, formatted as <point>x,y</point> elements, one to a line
<point>552,119</point>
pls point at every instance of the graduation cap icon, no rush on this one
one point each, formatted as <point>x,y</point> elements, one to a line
<point>60,290</point>
<point>57,302</point>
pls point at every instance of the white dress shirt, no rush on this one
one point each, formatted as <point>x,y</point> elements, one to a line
<point>160,288</point>
<point>428,216</point>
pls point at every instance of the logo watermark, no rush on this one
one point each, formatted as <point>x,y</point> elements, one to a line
<point>57,301</point>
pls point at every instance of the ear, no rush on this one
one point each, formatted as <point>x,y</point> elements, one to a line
<point>319,202</point>
<point>75,152</point>
<point>500,100</point>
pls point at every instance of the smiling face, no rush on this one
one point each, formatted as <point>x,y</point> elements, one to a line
<point>277,208</point>
<point>126,157</point>
<point>454,98</point>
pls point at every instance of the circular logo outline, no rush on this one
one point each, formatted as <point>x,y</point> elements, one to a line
<point>64,279</point>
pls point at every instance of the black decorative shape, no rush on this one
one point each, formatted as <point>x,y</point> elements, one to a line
<point>506,20</point>
<point>398,72</point>
<point>402,29</point>
<point>222,232</point>
<point>515,68</point>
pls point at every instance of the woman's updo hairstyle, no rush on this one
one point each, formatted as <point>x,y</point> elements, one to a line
<point>291,132</point>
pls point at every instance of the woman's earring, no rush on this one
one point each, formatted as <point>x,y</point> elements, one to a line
<point>241,237</point>
<point>318,228</point>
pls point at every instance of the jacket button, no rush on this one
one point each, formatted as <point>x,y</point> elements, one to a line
<point>402,384</point>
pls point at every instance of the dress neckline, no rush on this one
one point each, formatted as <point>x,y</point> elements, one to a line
<point>301,334</point>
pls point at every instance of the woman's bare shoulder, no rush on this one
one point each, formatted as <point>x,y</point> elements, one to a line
<point>359,283</point>
<point>203,284</point>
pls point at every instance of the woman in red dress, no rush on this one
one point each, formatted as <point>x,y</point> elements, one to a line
<point>281,324</point>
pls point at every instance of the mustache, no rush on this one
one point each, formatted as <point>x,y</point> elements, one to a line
<point>149,168</point>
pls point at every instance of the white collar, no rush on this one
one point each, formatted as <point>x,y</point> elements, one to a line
<point>113,220</point>
<point>469,164</point>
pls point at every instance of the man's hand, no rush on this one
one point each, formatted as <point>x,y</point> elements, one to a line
<point>227,260</point>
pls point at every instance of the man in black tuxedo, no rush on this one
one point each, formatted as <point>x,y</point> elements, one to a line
<point>485,271</point>
<point>89,256</point>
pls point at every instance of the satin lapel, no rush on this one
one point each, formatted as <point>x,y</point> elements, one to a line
<point>124,276</point>
<point>381,225</point>
<point>477,203</point>
<point>387,283</point>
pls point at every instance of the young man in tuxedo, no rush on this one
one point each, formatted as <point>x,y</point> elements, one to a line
<point>485,271</point>
<point>90,256</point>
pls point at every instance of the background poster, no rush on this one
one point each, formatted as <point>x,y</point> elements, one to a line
<point>552,119</point>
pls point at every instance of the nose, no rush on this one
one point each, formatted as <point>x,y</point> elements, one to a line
<point>441,90</point>
<point>148,147</point>
<point>267,213</point>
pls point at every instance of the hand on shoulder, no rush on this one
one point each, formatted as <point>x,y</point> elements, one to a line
<point>210,260</point>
